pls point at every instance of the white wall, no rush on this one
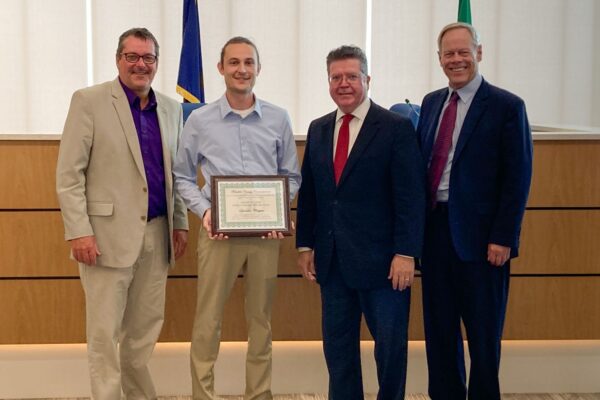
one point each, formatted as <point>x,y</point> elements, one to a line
<point>546,51</point>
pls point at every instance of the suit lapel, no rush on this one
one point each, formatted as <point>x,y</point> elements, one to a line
<point>325,147</point>
<point>475,112</point>
<point>366,134</point>
<point>163,123</point>
<point>124,112</point>
<point>431,124</point>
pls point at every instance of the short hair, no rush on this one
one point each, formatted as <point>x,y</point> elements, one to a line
<point>457,25</point>
<point>239,40</point>
<point>348,52</point>
<point>140,33</point>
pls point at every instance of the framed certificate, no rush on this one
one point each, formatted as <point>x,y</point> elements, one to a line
<point>250,205</point>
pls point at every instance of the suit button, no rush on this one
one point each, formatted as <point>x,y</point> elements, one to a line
<point>335,202</point>
<point>330,233</point>
<point>143,217</point>
<point>145,190</point>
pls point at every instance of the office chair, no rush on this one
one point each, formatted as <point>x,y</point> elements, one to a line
<point>188,108</point>
<point>408,110</point>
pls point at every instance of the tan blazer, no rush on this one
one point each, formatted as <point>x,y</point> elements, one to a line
<point>100,178</point>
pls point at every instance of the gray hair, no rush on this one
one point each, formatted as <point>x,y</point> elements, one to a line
<point>140,33</point>
<point>457,25</point>
<point>348,52</point>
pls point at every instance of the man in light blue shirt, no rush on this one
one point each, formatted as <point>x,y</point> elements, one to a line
<point>236,135</point>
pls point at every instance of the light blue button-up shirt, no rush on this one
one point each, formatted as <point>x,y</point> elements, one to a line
<point>221,142</point>
<point>466,94</point>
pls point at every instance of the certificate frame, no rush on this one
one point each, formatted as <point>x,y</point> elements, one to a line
<point>250,205</point>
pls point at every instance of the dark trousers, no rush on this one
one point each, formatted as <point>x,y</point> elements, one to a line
<point>453,290</point>
<point>386,314</point>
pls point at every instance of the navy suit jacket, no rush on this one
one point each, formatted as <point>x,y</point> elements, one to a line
<point>491,169</point>
<point>377,209</point>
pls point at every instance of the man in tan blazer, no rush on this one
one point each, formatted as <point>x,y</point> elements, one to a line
<point>123,221</point>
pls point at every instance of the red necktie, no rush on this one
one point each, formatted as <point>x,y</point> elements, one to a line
<point>341,148</point>
<point>441,148</point>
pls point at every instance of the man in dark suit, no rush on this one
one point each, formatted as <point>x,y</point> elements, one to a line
<point>361,213</point>
<point>477,142</point>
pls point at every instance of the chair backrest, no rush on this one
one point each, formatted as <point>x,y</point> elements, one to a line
<point>410,111</point>
<point>188,108</point>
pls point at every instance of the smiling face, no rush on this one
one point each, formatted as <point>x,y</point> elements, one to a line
<point>459,57</point>
<point>239,68</point>
<point>348,86</point>
<point>137,76</point>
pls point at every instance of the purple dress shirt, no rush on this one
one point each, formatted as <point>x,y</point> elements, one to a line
<point>148,130</point>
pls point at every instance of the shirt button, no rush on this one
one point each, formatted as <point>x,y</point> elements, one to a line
<point>145,190</point>
<point>143,217</point>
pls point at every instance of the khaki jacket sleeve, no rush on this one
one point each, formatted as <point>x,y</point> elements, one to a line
<point>73,159</point>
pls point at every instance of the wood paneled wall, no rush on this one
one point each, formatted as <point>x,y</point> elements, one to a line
<point>555,284</point>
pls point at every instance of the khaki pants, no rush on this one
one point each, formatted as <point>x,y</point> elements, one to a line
<point>219,263</point>
<point>124,316</point>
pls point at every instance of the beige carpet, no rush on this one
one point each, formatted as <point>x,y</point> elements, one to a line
<point>520,396</point>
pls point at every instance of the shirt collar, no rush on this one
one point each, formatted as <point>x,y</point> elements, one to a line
<point>467,92</point>
<point>134,100</point>
<point>226,108</point>
<point>359,112</point>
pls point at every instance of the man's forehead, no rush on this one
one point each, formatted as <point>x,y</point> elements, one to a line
<point>240,50</point>
<point>238,57</point>
<point>456,48</point>
<point>456,34</point>
<point>345,63</point>
<point>132,41</point>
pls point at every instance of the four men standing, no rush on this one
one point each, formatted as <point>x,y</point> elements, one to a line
<point>365,204</point>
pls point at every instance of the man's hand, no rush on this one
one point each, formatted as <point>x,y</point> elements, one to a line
<point>273,235</point>
<point>497,255</point>
<point>206,223</point>
<point>85,250</point>
<point>306,264</point>
<point>278,235</point>
<point>402,272</point>
<point>180,237</point>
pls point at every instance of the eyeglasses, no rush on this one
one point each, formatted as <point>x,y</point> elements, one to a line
<point>350,78</point>
<point>133,58</point>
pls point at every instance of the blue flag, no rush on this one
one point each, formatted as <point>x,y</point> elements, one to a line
<point>190,83</point>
